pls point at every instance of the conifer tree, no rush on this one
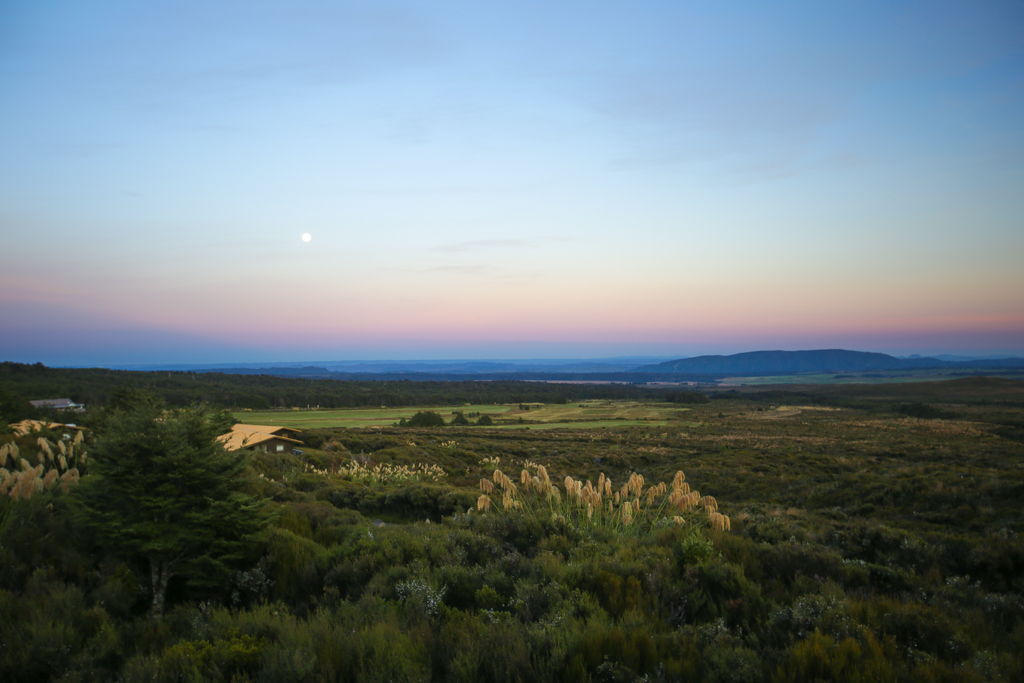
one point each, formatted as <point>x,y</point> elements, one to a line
<point>163,489</point>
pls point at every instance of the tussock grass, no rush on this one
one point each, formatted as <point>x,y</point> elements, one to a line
<point>631,509</point>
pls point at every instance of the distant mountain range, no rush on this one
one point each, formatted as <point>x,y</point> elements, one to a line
<point>434,367</point>
<point>628,369</point>
<point>824,360</point>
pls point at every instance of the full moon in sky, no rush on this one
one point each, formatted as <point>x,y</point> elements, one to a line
<point>306,237</point>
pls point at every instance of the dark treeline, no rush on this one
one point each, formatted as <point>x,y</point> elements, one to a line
<point>96,386</point>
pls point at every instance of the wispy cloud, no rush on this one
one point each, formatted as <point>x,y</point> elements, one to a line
<point>471,245</point>
<point>467,270</point>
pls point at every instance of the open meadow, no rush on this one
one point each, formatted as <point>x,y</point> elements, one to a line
<point>583,415</point>
<point>839,533</point>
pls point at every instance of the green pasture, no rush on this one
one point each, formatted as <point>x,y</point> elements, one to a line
<point>596,424</point>
<point>585,415</point>
<point>354,417</point>
<point>595,411</point>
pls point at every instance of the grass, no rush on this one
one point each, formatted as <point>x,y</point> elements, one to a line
<point>594,424</point>
<point>353,417</point>
<point>586,415</point>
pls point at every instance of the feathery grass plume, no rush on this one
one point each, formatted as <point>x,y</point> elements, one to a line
<point>677,481</point>
<point>483,503</point>
<point>651,494</point>
<point>29,482</point>
<point>44,447</point>
<point>687,501</point>
<point>79,438</point>
<point>25,466</point>
<point>379,473</point>
<point>62,462</point>
<point>62,447</point>
<point>51,476</point>
<point>3,455</point>
<point>719,521</point>
<point>6,480</point>
<point>69,478</point>
<point>710,503</point>
<point>632,510</point>
<point>14,491</point>
<point>486,486</point>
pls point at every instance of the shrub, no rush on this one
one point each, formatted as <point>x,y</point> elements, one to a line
<point>425,418</point>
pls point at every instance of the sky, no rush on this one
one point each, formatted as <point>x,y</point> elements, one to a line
<point>508,179</point>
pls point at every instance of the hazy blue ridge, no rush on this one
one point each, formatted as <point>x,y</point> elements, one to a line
<point>824,360</point>
<point>699,369</point>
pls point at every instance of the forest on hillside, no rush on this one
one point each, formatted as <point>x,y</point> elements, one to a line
<point>96,386</point>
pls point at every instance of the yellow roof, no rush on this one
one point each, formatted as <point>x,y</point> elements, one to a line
<point>27,426</point>
<point>262,429</point>
<point>247,438</point>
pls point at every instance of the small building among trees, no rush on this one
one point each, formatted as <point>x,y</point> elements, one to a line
<point>58,404</point>
<point>264,438</point>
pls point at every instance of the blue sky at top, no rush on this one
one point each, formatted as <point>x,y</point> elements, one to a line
<point>508,179</point>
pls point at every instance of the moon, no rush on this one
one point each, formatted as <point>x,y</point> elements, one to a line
<point>306,237</point>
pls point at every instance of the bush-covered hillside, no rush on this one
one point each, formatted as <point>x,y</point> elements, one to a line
<point>863,545</point>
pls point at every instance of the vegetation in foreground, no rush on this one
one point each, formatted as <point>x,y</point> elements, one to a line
<point>878,540</point>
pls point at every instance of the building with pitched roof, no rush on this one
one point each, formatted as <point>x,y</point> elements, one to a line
<point>261,438</point>
<point>58,403</point>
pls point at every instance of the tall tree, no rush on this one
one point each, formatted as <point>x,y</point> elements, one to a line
<point>163,489</point>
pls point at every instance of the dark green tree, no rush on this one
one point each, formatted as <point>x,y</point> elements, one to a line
<point>485,421</point>
<point>426,418</point>
<point>459,420</point>
<point>12,409</point>
<point>163,489</point>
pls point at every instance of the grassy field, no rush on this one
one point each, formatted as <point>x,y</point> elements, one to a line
<point>586,415</point>
<point>355,417</point>
<point>586,424</point>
